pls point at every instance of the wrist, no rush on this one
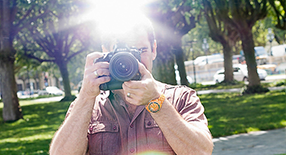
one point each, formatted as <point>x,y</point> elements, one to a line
<point>156,104</point>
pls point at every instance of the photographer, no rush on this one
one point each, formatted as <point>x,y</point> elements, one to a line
<point>144,117</point>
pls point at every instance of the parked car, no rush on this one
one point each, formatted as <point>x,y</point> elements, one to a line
<point>240,73</point>
<point>203,60</point>
<point>24,92</point>
<point>52,90</point>
<point>279,50</point>
<point>261,56</point>
<point>43,92</point>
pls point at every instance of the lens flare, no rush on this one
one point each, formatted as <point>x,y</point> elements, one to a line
<point>113,16</point>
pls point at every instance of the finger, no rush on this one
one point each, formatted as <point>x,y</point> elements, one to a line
<point>142,84</point>
<point>128,91</point>
<point>92,56</point>
<point>100,68</point>
<point>90,84</point>
<point>101,80</point>
<point>132,90</point>
<point>142,69</point>
<point>134,97</point>
<point>102,72</point>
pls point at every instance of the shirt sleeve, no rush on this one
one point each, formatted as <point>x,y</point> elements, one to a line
<point>188,104</point>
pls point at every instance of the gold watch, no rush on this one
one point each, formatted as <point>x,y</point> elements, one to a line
<point>155,105</point>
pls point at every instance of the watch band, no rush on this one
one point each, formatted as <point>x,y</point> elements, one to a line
<point>155,105</point>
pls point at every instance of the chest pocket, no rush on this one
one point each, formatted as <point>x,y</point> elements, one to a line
<point>104,138</point>
<point>155,137</point>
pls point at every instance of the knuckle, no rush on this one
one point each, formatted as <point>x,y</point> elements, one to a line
<point>144,85</point>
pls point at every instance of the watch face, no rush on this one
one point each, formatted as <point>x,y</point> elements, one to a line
<point>154,107</point>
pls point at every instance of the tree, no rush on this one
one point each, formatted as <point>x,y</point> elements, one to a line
<point>279,7</point>
<point>58,35</point>
<point>172,19</point>
<point>15,15</point>
<point>223,33</point>
<point>26,69</point>
<point>242,15</point>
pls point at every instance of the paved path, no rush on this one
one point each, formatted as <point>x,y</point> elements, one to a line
<point>49,99</point>
<point>272,142</point>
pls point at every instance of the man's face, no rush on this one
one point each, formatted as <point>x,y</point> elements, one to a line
<point>140,40</point>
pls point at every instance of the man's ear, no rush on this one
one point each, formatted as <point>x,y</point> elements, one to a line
<point>104,50</point>
<point>154,50</point>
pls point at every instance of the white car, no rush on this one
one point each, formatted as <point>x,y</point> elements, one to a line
<point>279,50</point>
<point>240,73</point>
<point>54,90</point>
<point>209,59</point>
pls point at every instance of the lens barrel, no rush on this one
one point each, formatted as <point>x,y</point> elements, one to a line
<point>123,66</point>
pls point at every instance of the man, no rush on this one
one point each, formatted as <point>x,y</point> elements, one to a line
<point>144,117</point>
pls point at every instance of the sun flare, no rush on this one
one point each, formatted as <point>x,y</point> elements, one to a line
<point>108,13</point>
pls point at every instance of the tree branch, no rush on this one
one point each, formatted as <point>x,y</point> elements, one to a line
<point>24,17</point>
<point>74,54</point>
<point>20,25</point>
<point>37,58</point>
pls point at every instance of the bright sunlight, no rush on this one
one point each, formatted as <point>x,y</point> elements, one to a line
<point>121,13</point>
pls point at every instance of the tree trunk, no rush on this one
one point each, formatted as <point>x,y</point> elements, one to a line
<point>65,75</point>
<point>227,53</point>
<point>11,109</point>
<point>163,68</point>
<point>179,55</point>
<point>248,49</point>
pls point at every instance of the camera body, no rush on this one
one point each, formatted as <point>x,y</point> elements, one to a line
<point>123,66</point>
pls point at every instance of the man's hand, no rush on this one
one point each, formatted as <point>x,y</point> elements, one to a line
<point>143,91</point>
<point>94,75</point>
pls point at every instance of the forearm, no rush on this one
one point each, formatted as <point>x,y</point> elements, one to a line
<point>187,138</point>
<point>71,138</point>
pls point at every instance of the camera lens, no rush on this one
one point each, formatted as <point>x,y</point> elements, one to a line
<point>123,66</point>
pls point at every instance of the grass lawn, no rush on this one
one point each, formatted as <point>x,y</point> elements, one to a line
<point>33,134</point>
<point>228,113</point>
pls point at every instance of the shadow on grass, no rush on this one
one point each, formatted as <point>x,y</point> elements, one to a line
<point>35,131</point>
<point>25,147</point>
<point>231,114</point>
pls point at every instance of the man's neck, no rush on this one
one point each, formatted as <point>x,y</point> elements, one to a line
<point>130,107</point>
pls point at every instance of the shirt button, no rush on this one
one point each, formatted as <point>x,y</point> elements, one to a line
<point>131,126</point>
<point>114,127</point>
<point>149,123</point>
<point>132,150</point>
<point>91,129</point>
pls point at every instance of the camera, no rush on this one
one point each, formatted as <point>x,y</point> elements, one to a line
<point>123,66</point>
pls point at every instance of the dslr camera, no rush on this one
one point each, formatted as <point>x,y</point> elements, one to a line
<point>123,66</point>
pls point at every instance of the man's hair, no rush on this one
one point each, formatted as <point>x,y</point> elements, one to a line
<point>137,25</point>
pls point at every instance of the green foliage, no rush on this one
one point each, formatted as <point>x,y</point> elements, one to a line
<point>278,12</point>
